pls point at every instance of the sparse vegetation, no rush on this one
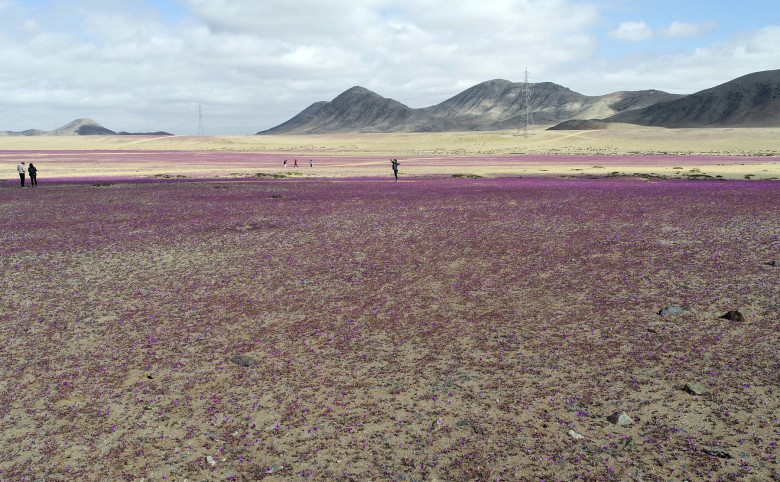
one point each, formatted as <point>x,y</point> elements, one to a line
<point>468,176</point>
<point>482,331</point>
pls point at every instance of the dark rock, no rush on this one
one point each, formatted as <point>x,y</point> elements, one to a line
<point>774,263</point>
<point>717,453</point>
<point>733,315</point>
<point>244,360</point>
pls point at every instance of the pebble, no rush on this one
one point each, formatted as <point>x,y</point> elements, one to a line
<point>244,360</point>
<point>575,435</point>
<point>211,460</point>
<point>672,310</point>
<point>717,453</point>
<point>733,315</point>
<point>620,418</point>
<point>694,388</point>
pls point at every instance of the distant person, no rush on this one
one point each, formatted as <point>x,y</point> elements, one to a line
<point>33,175</point>
<point>295,163</point>
<point>20,170</point>
<point>311,163</point>
<point>285,163</point>
<point>394,162</point>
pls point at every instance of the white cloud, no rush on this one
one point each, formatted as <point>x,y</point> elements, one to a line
<point>253,65</point>
<point>682,73</point>
<point>632,31</point>
<point>682,29</point>
<point>637,31</point>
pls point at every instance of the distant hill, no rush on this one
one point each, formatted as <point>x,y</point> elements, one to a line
<point>491,105</point>
<point>752,100</point>
<point>79,127</point>
<point>749,101</point>
<point>158,133</point>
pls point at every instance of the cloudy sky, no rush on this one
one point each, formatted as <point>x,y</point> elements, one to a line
<point>143,65</point>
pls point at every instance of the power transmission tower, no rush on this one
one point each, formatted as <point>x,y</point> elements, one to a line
<point>201,129</point>
<point>527,118</point>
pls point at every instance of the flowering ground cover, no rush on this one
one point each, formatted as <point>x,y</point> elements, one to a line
<point>108,165</point>
<point>361,329</point>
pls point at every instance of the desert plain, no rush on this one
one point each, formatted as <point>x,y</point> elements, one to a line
<point>541,307</point>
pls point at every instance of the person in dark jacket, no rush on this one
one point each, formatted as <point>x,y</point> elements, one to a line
<point>394,162</point>
<point>33,175</point>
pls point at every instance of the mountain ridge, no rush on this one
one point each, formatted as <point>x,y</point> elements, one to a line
<point>752,100</point>
<point>79,127</point>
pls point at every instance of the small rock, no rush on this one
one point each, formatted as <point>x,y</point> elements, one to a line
<point>437,423</point>
<point>733,315</point>
<point>717,453</point>
<point>575,435</point>
<point>620,418</point>
<point>774,263</point>
<point>694,388</point>
<point>211,460</point>
<point>274,469</point>
<point>672,310</point>
<point>629,443</point>
<point>243,360</point>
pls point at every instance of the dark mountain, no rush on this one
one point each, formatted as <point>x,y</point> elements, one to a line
<point>491,105</point>
<point>355,110</point>
<point>82,127</point>
<point>158,133</point>
<point>752,100</point>
<point>79,127</point>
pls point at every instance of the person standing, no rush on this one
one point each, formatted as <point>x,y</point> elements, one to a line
<point>394,162</point>
<point>295,163</point>
<point>311,163</point>
<point>33,175</point>
<point>285,163</point>
<point>20,170</point>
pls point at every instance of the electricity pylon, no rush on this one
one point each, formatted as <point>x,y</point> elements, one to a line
<point>201,129</point>
<point>527,118</point>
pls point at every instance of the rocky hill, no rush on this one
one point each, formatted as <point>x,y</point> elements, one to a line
<point>491,105</point>
<point>79,127</point>
<point>752,100</point>
<point>749,101</point>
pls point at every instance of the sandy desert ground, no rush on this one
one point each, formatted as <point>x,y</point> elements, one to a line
<point>166,317</point>
<point>729,153</point>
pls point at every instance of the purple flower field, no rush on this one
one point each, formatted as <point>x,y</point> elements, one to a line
<point>361,329</point>
<point>127,165</point>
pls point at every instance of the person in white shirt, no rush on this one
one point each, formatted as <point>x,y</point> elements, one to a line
<point>20,170</point>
